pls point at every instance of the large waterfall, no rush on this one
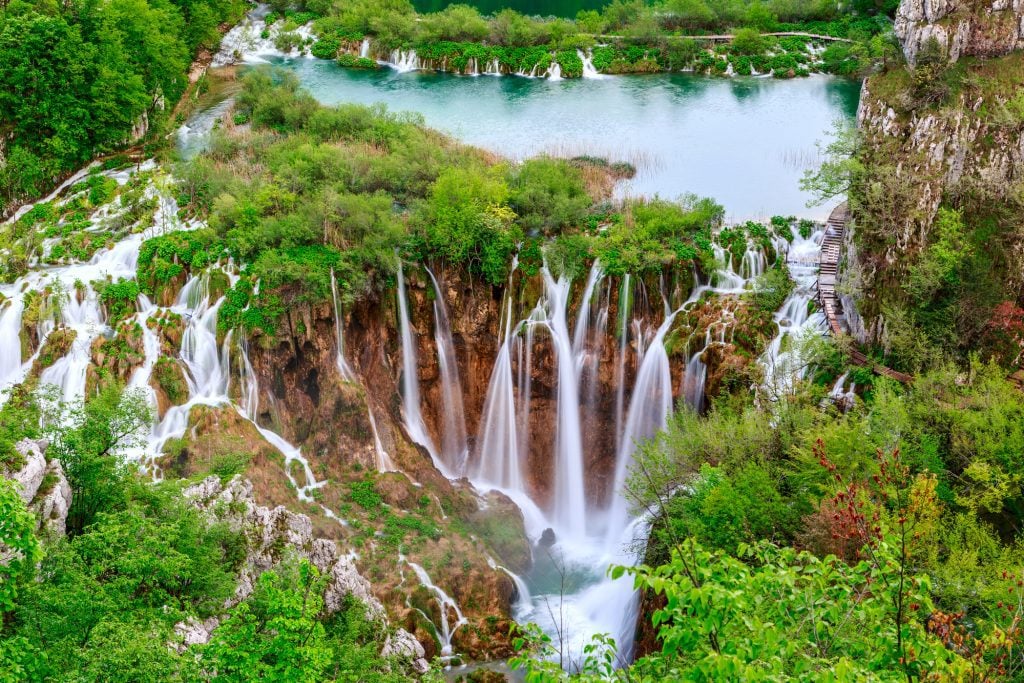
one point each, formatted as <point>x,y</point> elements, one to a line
<point>563,330</point>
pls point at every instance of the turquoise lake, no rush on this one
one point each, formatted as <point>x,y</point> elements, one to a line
<point>744,141</point>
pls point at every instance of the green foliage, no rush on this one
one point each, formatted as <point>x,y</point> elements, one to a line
<point>88,440</point>
<point>169,377</point>
<point>118,298</point>
<point>772,288</point>
<point>548,195</point>
<point>18,543</point>
<point>77,80</point>
<point>841,168</point>
<point>364,494</point>
<point>466,219</point>
<point>938,265</point>
<point>748,41</point>
<point>162,259</point>
<point>283,633</point>
<point>655,233</point>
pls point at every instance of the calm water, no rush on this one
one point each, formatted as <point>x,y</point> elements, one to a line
<point>558,8</point>
<point>743,141</point>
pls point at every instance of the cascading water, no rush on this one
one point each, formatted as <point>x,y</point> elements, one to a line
<point>588,65</point>
<point>445,604</point>
<point>625,300</point>
<point>580,336</point>
<point>383,460</point>
<point>782,360</point>
<point>569,500</point>
<point>498,458</point>
<point>453,442</point>
<point>10,341</point>
<point>649,409</point>
<point>364,48</point>
<point>695,377</point>
<point>410,379</point>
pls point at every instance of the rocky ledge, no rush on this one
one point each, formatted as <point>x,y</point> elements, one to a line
<point>963,28</point>
<point>273,534</point>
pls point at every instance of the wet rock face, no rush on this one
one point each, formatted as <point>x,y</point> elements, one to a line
<point>964,28</point>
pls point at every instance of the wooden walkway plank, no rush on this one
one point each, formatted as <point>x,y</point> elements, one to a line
<point>828,272</point>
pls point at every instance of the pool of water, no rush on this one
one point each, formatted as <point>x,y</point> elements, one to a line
<point>744,141</point>
<point>544,8</point>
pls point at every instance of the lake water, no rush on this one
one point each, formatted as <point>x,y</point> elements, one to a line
<point>743,141</point>
<point>557,8</point>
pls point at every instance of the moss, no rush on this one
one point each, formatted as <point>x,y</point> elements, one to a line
<point>168,375</point>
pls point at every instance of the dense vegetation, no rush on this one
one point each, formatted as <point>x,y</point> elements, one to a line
<point>348,187</point>
<point>879,544</point>
<point>626,37</point>
<point>955,288</point>
<point>84,78</point>
<point>138,558</point>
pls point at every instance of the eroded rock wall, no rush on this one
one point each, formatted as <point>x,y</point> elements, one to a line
<point>963,28</point>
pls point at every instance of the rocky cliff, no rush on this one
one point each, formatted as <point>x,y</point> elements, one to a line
<point>963,28</point>
<point>43,486</point>
<point>950,137</point>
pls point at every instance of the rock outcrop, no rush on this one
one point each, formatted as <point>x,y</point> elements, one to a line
<point>963,28</point>
<point>271,535</point>
<point>957,143</point>
<point>43,486</point>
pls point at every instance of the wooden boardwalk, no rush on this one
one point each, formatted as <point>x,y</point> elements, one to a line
<point>828,299</point>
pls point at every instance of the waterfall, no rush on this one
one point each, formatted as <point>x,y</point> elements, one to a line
<point>339,333</point>
<point>404,61</point>
<point>10,340</point>
<point>445,604</point>
<point>579,339</point>
<point>695,376</point>
<point>364,49</point>
<point>588,65</point>
<point>498,455</point>
<point>410,378</point>
<point>554,72</point>
<point>754,263</point>
<point>625,301</point>
<point>784,366</point>
<point>498,459</point>
<point>208,374</point>
<point>524,385</point>
<point>728,280</point>
<point>569,500</point>
<point>383,460</point>
<point>453,440</point>
<point>649,409</point>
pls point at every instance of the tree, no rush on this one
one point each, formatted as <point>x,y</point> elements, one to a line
<point>89,440</point>
<point>19,549</point>
<point>840,169</point>
<point>748,41</point>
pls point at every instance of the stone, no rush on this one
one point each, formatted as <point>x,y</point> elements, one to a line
<point>51,508</point>
<point>30,475</point>
<point>402,644</point>
<point>962,27</point>
<point>49,504</point>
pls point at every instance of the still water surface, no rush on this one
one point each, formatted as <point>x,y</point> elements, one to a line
<point>544,8</point>
<point>743,141</point>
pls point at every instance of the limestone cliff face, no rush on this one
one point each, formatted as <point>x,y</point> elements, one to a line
<point>43,486</point>
<point>976,28</point>
<point>964,152</point>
